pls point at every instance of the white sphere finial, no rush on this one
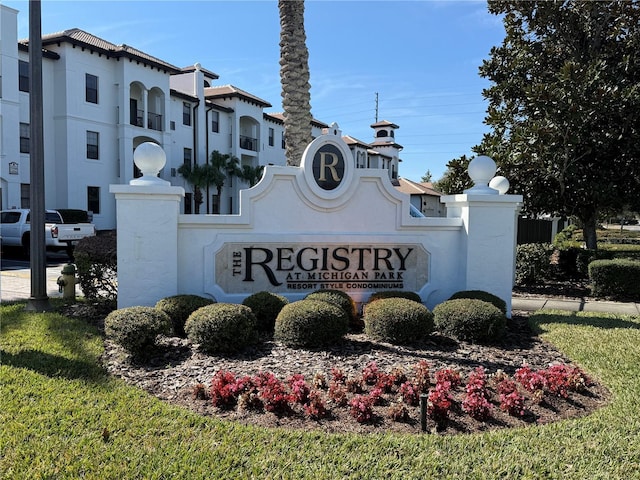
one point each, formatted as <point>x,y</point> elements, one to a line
<point>500,183</point>
<point>481,170</point>
<point>150,158</point>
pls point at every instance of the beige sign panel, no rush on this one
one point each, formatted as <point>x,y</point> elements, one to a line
<point>300,267</point>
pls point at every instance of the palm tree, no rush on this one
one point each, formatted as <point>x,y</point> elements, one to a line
<point>252,175</point>
<point>294,77</point>
<point>200,176</point>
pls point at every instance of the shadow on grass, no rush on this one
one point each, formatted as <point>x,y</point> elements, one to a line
<point>54,365</point>
<point>538,319</point>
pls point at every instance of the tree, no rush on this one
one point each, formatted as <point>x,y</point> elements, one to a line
<point>455,179</point>
<point>564,106</point>
<point>252,174</point>
<point>200,176</point>
<point>226,166</point>
<point>427,177</point>
<point>294,77</point>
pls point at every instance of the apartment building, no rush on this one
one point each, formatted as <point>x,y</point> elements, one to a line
<point>101,100</point>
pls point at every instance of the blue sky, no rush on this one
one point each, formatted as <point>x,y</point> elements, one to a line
<point>420,57</point>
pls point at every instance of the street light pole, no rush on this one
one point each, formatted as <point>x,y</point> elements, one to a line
<point>38,301</point>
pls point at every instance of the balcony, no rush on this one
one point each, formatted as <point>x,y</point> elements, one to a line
<point>154,121</point>
<point>137,117</point>
<point>248,143</point>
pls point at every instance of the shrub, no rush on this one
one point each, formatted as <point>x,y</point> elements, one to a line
<point>310,323</point>
<point>395,294</point>
<point>469,319</point>
<point>96,259</point>
<point>615,278</point>
<point>222,327</point>
<point>340,299</point>
<point>397,320</point>
<point>136,328</point>
<point>265,306</point>
<point>179,307</point>
<point>484,296</point>
<point>532,263</point>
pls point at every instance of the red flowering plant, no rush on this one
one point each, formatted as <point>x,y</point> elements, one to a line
<point>361,408</point>
<point>476,401</point>
<point>337,375</point>
<point>449,375</point>
<point>377,396</point>
<point>409,394</point>
<point>370,373</point>
<point>298,388</point>
<point>315,407</point>
<point>532,381</point>
<point>440,402</point>
<point>223,390</point>
<point>273,393</point>
<point>338,393</point>
<point>385,382</point>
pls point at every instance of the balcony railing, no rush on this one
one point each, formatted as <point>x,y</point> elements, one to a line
<point>137,117</point>
<point>248,143</point>
<point>154,121</point>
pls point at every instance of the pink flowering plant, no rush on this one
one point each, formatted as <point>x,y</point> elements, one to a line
<point>375,393</point>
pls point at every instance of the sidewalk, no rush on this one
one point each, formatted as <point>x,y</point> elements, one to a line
<point>16,285</point>
<point>575,305</point>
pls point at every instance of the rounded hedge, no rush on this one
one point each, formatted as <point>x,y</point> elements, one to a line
<point>222,327</point>
<point>265,306</point>
<point>179,307</point>
<point>484,296</point>
<point>338,298</point>
<point>395,294</point>
<point>310,323</point>
<point>470,320</point>
<point>397,320</point>
<point>136,328</point>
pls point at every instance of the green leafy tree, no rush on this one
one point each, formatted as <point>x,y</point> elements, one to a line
<point>226,166</point>
<point>200,177</point>
<point>427,177</point>
<point>455,179</point>
<point>564,106</point>
<point>294,77</point>
<point>252,175</point>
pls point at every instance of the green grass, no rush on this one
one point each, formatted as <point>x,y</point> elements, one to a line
<point>57,400</point>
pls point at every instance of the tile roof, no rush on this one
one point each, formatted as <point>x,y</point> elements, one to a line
<point>414,188</point>
<point>315,122</point>
<point>384,123</point>
<point>79,37</point>
<point>226,91</point>
<point>207,73</point>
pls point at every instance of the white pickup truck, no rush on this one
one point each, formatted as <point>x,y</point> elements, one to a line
<point>15,230</point>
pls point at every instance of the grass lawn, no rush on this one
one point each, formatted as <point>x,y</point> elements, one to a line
<point>62,416</point>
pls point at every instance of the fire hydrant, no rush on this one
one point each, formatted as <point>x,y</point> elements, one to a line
<point>67,281</point>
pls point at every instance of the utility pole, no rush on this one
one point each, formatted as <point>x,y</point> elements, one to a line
<point>38,301</point>
<point>376,107</point>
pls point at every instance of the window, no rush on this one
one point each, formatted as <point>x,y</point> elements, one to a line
<point>91,88</point>
<point>93,145</point>
<point>271,135</point>
<point>186,113</point>
<point>215,203</point>
<point>93,200</point>
<point>23,76</point>
<point>187,156</point>
<point>172,125</point>
<point>25,138</point>
<point>215,122</point>
<point>25,195</point>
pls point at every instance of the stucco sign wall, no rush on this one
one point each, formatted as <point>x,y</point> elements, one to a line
<point>325,224</point>
<point>295,267</point>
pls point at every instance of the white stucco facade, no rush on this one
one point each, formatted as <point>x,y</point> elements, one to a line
<point>102,100</point>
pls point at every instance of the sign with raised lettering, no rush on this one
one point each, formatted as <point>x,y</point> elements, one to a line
<point>293,268</point>
<point>328,166</point>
